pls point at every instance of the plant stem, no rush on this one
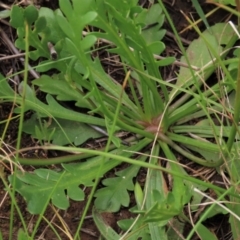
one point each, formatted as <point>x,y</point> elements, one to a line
<point>19,137</point>
<point>59,160</point>
<point>189,155</point>
<point>237,98</point>
<point>234,128</point>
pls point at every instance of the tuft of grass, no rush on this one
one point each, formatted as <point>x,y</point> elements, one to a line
<point>193,119</point>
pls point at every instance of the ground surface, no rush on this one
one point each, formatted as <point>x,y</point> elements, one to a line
<point>70,217</point>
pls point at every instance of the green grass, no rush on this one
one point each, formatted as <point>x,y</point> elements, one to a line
<point>157,113</point>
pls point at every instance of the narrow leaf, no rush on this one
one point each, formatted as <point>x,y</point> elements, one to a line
<point>105,230</point>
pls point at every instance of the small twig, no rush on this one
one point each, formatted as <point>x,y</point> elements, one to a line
<point>52,51</point>
<point>12,56</point>
<point>102,131</point>
<point>89,232</point>
<point>14,49</point>
<point>171,35</point>
<point>5,6</point>
<point>5,22</point>
<point>218,203</point>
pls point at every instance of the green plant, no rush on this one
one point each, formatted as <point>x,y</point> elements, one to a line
<point>226,2</point>
<point>135,105</point>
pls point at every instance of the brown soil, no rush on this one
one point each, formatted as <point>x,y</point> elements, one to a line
<point>70,218</point>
